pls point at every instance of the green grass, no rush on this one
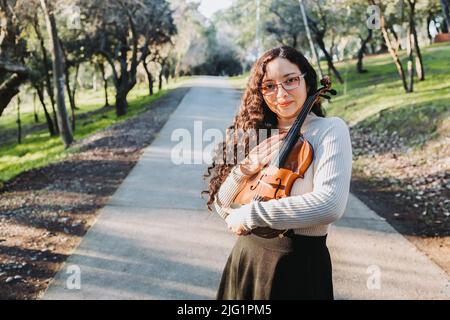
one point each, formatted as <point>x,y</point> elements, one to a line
<point>239,82</point>
<point>377,100</point>
<point>38,149</point>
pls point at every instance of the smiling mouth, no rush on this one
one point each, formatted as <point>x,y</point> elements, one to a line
<point>284,104</point>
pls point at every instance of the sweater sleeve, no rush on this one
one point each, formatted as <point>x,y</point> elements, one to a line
<point>228,191</point>
<point>327,201</point>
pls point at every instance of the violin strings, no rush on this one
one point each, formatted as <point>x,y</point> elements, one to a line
<point>292,134</point>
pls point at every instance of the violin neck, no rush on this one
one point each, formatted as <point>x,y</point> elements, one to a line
<point>292,135</point>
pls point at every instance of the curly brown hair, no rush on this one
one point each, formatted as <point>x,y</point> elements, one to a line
<point>255,114</point>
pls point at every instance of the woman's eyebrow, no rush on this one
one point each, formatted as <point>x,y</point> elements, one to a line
<point>287,74</point>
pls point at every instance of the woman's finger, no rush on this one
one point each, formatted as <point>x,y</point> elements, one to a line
<point>276,140</point>
<point>266,142</point>
<point>271,148</point>
<point>271,139</point>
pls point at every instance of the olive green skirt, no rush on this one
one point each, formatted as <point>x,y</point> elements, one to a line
<point>294,267</point>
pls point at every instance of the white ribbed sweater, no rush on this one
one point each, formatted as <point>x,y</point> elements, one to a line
<point>317,200</point>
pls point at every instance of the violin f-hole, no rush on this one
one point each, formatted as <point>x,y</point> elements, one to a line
<point>278,188</point>
<point>254,187</point>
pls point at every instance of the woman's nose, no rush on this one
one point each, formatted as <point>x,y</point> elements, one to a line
<point>281,92</point>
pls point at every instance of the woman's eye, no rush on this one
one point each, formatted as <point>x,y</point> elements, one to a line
<point>269,86</point>
<point>291,80</point>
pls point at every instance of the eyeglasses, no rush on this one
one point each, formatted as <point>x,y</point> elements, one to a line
<point>269,89</point>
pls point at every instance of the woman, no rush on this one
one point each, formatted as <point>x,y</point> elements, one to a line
<point>297,265</point>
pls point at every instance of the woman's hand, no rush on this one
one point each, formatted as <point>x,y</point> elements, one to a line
<point>239,231</point>
<point>261,155</point>
<point>235,221</point>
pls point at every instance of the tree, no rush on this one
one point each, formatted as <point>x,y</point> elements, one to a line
<point>319,17</point>
<point>221,58</point>
<point>190,45</point>
<point>162,58</point>
<point>13,72</point>
<point>393,45</point>
<point>238,24</point>
<point>58,74</point>
<point>44,67</point>
<point>18,121</point>
<point>99,61</point>
<point>432,11</point>
<point>445,4</point>
<point>116,30</point>
<point>38,80</point>
<point>74,55</point>
<point>287,27</point>
<point>158,43</point>
<point>354,23</point>
<point>387,19</point>
<point>414,41</point>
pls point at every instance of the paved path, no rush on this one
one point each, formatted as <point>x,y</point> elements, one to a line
<point>155,240</point>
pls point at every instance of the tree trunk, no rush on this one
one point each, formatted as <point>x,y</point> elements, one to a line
<point>444,26</point>
<point>74,87</point>
<point>54,113</point>
<point>294,41</point>
<point>150,84</point>
<point>419,61</point>
<point>149,77</point>
<point>123,84</point>
<point>105,82</point>
<point>161,73</point>
<point>9,89</point>
<point>394,54</point>
<point>69,93</point>
<point>308,35</point>
<point>160,80</point>
<point>177,66</point>
<point>445,4</point>
<point>48,118</point>
<point>362,50</point>
<point>73,105</point>
<point>331,49</point>
<point>409,50</point>
<point>391,29</point>
<point>127,79</point>
<point>329,59</point>
<point>58,77</point>
<point>36,113</point>
<point>429,18</point>
<point>48,81</point>
<point>19,123</point>
<point>121,102</point>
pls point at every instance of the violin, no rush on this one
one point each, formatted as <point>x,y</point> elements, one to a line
<point>296,154</point>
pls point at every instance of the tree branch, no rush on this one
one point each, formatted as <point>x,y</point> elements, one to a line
<point>111,63</point>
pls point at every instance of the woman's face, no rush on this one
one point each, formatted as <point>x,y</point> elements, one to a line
<point>286,104</point>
